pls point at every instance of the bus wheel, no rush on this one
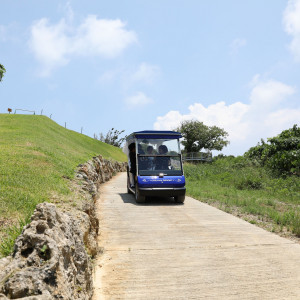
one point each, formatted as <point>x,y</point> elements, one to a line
<point>128,184</point>
<point>179,199</point>
<point>138,197</point>
<point>128,190</point>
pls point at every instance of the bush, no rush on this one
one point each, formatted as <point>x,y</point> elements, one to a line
<point>249,183</point>
<point>296,225</point>
<point>281,154</point>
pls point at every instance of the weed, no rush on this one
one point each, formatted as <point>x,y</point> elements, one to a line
<point>296,225</point>
<point>11,234</point>
<point>44,248</point>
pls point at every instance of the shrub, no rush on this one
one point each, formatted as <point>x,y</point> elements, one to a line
<point>281,154</point>
<point>296,225</point>
<point>249,183</point>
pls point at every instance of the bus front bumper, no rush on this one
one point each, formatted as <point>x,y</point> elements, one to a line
<point>162,192</point>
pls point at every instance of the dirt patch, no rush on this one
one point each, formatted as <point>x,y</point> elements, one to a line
<point>37,153</point>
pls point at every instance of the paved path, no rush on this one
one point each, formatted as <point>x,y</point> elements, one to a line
<point>163,250</point>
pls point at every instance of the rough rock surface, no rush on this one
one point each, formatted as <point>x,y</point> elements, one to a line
<point>92,174</point>
<point>96,171</point>
<point>51,258</point>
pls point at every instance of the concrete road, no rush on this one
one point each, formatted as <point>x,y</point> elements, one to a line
<point>163,250</point>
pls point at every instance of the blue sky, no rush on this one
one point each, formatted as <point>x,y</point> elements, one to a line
<point>138,65</point>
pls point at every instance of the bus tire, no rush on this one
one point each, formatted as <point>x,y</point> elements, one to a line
<point>128,190</point>
<point>179,199</point>
<point>128,183</point>
<point>138,197</point>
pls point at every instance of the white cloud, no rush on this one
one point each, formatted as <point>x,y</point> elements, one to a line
<point>291,22</point>
<point>137,100</point>
<point>236,44</point>
<point>270,93</point>
<point>246,123</point>
<point>229,117</point>
<point>146,73</point>
<point>50,44</point>
<point>54,45</point>
<point>107,38</point>
<point>170,121</point>
<point>281,119</point>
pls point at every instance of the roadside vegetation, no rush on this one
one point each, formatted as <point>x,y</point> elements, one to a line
<point>37,160</point>
<point>263,186</point>
<point>112,137</point>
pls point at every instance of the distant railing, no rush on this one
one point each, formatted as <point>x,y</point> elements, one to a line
<point>32,111</point>
<point>197,156</point>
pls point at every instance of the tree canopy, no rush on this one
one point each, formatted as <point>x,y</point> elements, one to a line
<point>199,136</point>
<point>2,71</point>
<point>281,153</point>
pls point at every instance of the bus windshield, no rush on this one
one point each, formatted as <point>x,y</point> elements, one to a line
<point>157,156</point>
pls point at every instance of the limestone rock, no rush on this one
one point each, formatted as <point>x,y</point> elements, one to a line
<point>49,259</point>
<point>96,171</point>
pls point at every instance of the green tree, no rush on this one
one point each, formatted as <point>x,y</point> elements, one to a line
<point>2,71</point>
<point>112,137</point>
<point>281,153</point>
<point>199,136</point>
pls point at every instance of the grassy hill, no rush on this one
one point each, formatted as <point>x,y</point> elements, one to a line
<point>36,155</point>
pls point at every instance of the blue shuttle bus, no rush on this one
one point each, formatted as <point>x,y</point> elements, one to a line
<point>154,165</point>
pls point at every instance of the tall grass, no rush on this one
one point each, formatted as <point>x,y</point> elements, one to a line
<point>36,158</point>
<point>237,186</point>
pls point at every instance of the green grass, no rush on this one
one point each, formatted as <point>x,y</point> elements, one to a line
<point>36,157</point>
<point>236,186</point>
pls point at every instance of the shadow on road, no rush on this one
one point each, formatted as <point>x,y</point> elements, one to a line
<point>150,201</point>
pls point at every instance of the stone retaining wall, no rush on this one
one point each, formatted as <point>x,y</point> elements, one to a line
<point>52,257</point>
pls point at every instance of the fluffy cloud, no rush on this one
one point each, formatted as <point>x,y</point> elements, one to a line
<point>106,38</point>
<point>269,94</point>
<point>50,44</point>
<point>291,21</point>
<point>54,45</point>
<point>229,117</point>
<point>262,117</point>
<point>137,100</point>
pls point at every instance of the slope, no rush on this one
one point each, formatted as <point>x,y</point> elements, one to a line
<point>36,157</point>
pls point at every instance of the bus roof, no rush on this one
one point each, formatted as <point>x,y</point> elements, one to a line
<point>155,134</point>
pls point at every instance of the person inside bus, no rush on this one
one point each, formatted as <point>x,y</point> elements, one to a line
<point>150,165</point>
<point>162,163</point>
<point>143,161</point>
<point>140,149</point>
<point>132,158</point>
